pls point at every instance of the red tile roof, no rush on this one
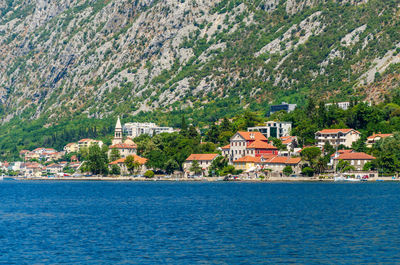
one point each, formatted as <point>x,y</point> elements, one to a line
<point>326,131</point>
<point>355,156</point>
<point>124,146</point>
<point>137,158</point>
<point>252,136</point>
<point>381,135</point>
<point>261,145</point>
<point>287,139</point>
<point>293,160</point>
<point>247,159</point>
<point>201,157</point>
<point>343,151</point>
<point>226,147</point>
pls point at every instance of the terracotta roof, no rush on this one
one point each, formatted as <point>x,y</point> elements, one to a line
<point>252,136</point>
<point>137,158</point>
<point>245,159</point>
<point>261,145</point>
<point>342,151</point>
<point>355,156</point>
<point>88,140</point>
<point>293,160</point>
<point>23,151</point>
<point>287,139</point>
<point>325,131</point>
<point>283,160</point>
<point>381,135</point>
<point>226,147</point>
<point>70,144</point>
<point>278,160</point>
<point>124,146</point>
<point>202,157</point>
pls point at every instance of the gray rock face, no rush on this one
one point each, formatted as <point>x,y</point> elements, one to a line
<point>68,56</point>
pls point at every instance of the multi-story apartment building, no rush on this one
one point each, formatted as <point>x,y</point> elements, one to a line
<point>283,106</point>
<point>337,137</point>
<point>134,129</point>
<point>275,129</point>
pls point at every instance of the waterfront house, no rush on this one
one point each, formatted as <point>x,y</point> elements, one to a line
<point>204,161</point>
<point>247,163</point>
<point>54,168</point>
<point>376,137</point>
<point>241,141</point>
<point>278,163</point>
<point>124,170</point>
<point>337,137</point>
<point>355,159</point>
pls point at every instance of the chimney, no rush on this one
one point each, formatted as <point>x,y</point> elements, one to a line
<point>251,135</point>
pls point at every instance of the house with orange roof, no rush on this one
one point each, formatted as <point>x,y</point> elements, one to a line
<point>337,137</point>
<point>125,149</point>
<point>240,142</point>
<point>225,150</point>
<point>247,163</point>
<point>54,168</point>
<point>278,163</point>
<point>124,170</point>
<point>355,159</point>
<point>376,137</point>
<point>259,148</point>
<point>204,161</point>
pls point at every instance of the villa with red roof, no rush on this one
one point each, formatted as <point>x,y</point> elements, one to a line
<point>355,159</point>
<point>376,137</point>
<point>204,161</point>
<point>248,144</point>
<point>272,162</point>
<point>124,170</point>
<point>337,137</point>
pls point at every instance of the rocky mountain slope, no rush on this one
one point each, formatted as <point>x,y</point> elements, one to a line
<point>60,59</point>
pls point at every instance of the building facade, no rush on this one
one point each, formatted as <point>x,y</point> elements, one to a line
<point>283,106</point>
<point>135,129</point>
<point>355,159</point>
<point>336,137</point>
<point>376,137</point>
<point>275,129</point>
<point>204,161</point>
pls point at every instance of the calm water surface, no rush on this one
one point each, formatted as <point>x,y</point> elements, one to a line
<point>199,223</point>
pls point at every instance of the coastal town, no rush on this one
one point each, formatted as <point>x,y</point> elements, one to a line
<point>267,151</point>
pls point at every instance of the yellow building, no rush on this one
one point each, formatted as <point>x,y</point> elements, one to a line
<point>246,163</point>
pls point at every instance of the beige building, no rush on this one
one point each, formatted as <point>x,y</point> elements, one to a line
<point>86,143</point>
<point>204,161</point>
<point>337,137</point>
<point>376,137</point>
<point>357,160</point>
<point>71,148</point>
<point>124,170</point>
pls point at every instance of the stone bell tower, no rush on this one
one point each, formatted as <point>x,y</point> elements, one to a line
<point>118,133</point>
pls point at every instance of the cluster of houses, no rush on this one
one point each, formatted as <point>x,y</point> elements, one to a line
<point>251,151</point>
<point>248,151</point>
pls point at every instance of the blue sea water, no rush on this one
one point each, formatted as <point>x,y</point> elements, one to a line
<point>199,223</point>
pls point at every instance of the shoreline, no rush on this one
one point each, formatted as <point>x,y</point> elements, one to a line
<point>203,179</point>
